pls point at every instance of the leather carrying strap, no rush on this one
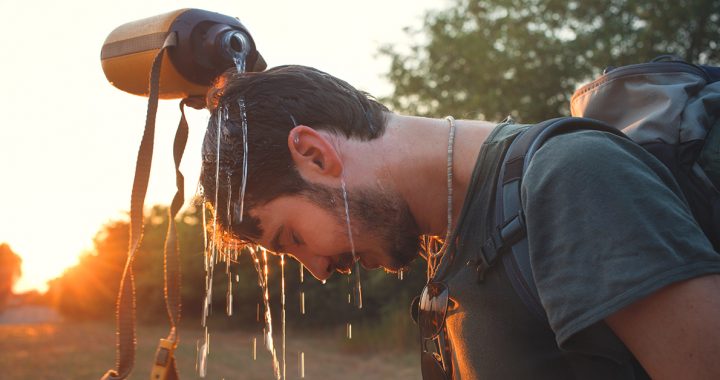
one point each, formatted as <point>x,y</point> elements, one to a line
<point>125,359</point>
<point>164,367</point>
<point>134,45</point>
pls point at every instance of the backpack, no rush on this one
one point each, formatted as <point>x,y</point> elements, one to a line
<point>669,107</point>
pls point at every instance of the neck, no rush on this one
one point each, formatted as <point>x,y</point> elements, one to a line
<point>413,162</point>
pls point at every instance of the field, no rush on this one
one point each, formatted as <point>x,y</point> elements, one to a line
<point>65,350</point>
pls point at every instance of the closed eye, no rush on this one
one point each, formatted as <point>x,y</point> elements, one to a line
<point>297,240</point>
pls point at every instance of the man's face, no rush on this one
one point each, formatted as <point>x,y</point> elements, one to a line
<point>312,227</point>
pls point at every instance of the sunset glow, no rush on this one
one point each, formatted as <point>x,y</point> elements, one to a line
<point>47,254</point>
<point>69,139</point>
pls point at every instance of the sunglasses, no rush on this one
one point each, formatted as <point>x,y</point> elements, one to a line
<point>429,311</point>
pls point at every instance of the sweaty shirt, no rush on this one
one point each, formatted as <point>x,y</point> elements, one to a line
<point>607,225</point>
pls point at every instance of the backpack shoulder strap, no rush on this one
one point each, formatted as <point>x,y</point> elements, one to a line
<point>510,235</point>
<point>713,72</point>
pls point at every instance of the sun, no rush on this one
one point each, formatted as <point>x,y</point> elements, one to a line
<point>45,255</point>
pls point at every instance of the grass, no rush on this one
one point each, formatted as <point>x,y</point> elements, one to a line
<point>67,350</point>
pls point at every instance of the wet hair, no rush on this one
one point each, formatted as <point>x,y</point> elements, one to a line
<point>274,102</point>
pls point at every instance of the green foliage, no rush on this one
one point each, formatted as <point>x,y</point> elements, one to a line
<point>491,58</point>
<point>89,289</point>
<point>10,271</point>
<point>392,330</point>
<point>383,295</point>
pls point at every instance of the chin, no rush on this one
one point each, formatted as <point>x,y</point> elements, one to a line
<point>370,266</point>
<point>400,262</point>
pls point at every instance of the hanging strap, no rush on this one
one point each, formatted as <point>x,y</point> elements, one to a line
<point>164,365</point>
<point>125,355</point>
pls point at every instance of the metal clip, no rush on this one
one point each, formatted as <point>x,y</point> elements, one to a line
<point>163,366</point>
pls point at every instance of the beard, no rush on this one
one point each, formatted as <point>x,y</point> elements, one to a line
<point>382,215</point>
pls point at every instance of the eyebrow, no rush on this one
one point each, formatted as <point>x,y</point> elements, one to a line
<point>275,242</point>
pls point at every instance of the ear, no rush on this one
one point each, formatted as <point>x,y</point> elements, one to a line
<point>313,154</point>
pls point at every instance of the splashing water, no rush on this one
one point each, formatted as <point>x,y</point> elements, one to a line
<point>213,253</point>
<point>239,60</point>
<point>206,262</point>
<point>267,331</point>
<point>302,292</point>
<point>222,114</point>
<point>282,302</point>
<point>205,237</point>
<point>244,123</point>
<point>350,290</point>
<point>228,206</point>
<point>230,256</point>
<point>302,303</point>
<point>302,365</point>
<point>211,245</point>
<point>209,265</point>
<point>202,354</point>
<point>228,296</point>
<point>358,285</point>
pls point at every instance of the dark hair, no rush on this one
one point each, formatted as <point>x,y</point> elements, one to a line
<point>274,102</point>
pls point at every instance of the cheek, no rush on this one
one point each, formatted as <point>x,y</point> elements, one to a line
<point>324,239</point>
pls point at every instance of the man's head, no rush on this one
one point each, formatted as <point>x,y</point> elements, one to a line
<point>296,116</point>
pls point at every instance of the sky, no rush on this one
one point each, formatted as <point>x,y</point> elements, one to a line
<point>69,139</point>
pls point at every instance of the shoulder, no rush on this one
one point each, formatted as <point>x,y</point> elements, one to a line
<point>592,150</point>
<point>588,160</point>
<point>615,219</point>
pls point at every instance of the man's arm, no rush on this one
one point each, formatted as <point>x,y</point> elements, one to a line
<point>675,332</point>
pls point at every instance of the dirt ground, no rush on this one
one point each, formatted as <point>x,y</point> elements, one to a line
<point>65,350</point>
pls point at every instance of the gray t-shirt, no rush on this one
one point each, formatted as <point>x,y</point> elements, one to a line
<point>607,225</point>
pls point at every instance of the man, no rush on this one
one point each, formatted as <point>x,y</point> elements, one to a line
<point>628,281</point>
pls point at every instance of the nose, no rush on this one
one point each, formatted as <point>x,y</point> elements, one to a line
<point>319,266</point>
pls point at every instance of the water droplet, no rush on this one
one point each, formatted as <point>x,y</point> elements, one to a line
<point>229,300</point>
<point>240,62</point>
<point>358,285</point>
<point>267,331</point>
<point>302,303</point>
<point>302,365</point>
<point>282,302</point>
<point>228,206</point>
<point>203,352</point>
<point>244,123</point>
<point>228,296</point>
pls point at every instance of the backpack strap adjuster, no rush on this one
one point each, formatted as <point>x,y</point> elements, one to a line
<point>501,239</point>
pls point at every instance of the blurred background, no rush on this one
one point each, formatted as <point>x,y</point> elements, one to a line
<point>69,141</point>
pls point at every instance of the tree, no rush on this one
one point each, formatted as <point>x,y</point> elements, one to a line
<point>491,58</point>
<point>10,272</point>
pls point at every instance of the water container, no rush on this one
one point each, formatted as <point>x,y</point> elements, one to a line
<point>205,45</point>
